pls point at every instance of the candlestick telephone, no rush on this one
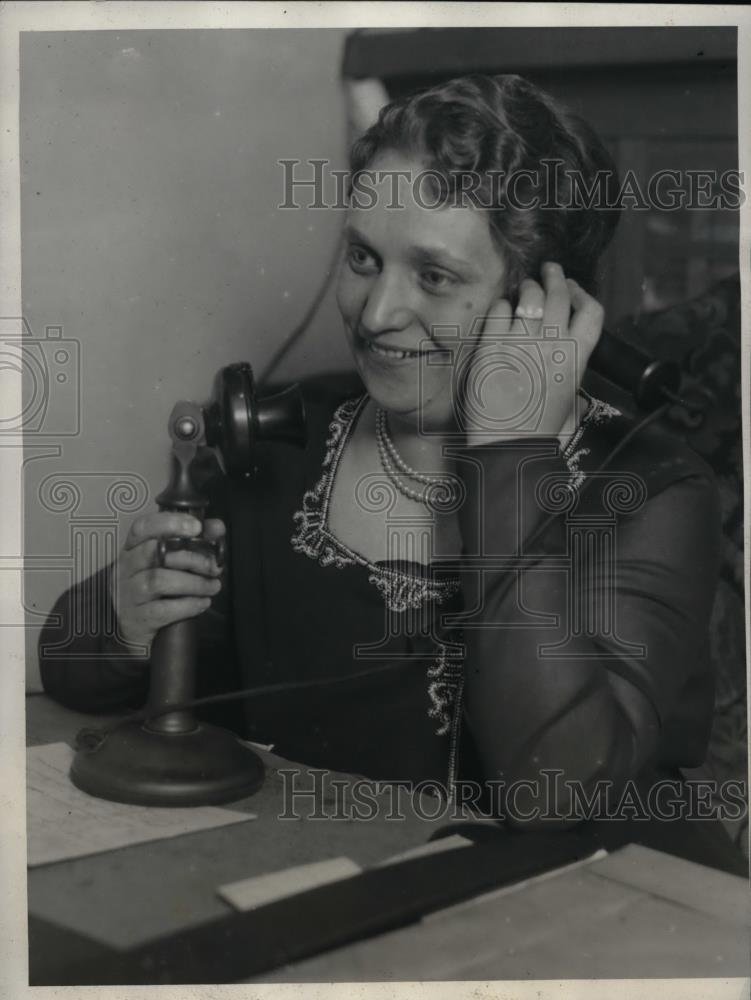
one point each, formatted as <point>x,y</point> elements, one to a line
<point>165,755</point>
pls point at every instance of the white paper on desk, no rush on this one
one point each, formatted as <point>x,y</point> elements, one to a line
<point>63,822</point>
<point>252,892</point>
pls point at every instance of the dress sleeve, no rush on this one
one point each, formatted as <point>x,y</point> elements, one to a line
<point>90,669</point>
<point>575,662</point>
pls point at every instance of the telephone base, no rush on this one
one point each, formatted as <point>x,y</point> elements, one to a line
<point>206,766</point>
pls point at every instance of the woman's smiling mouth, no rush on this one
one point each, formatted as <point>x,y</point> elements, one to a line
<point>392,353</point>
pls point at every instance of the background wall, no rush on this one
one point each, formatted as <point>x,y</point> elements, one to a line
<point>151,236</point>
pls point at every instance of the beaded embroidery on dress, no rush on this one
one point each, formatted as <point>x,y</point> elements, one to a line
<point>597,413</point>
<point>445,675</point>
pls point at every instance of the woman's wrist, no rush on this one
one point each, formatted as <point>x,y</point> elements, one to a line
<point>556,427</point>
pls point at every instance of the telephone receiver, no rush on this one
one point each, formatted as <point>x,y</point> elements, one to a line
<point>236,419</point>
<point>651,383</point>
<point>170,758</point>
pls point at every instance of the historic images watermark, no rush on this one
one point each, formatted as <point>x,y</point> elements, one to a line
<point>49,371</point>
<point>88,505</point>
<point>316,184</point>
<point>320,794</point>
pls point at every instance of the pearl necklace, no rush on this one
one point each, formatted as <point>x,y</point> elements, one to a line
<point>438,491</point>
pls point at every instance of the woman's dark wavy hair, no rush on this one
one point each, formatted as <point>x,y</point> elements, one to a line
<point>494,127</point>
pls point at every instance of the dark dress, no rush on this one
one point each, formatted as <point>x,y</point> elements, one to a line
<point>460,648</point>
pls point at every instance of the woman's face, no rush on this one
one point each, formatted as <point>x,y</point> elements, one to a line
<point>407,272</point>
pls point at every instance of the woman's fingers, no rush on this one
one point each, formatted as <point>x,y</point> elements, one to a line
<point>162,524</point>
<point>174,609</point>
<point>144,556</point>
<point>559,304</point>
<point>498,321</point>
<point>140,555</point>
<point>192,562</point>
<point>531,306</point>
<point>213,528</point>
<point>157,582</point>
<point>585,325</point>
<point>557,299</point>
<point>587,315</point>
<point>148,596</point>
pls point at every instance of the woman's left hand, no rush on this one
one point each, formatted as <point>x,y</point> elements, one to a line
<point>524,374</point>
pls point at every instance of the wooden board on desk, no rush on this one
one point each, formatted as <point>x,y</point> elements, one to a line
<point>636,913</point>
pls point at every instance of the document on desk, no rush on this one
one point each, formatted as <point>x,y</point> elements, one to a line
<point>64,822</point>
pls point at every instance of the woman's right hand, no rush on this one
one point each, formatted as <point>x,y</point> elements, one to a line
<point>147,596</point>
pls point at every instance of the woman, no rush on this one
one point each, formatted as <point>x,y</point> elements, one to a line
<point>390,540</point>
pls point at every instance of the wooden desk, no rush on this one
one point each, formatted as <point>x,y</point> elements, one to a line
<point>168,885</point>
<point>126,897</point>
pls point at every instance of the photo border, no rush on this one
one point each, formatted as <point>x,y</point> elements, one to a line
<point>72,15</point>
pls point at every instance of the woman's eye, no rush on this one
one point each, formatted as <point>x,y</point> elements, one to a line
<point>436,280</point>
<point>360,260</point>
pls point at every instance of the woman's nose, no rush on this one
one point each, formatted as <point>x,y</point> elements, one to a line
<point>387,306</point>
